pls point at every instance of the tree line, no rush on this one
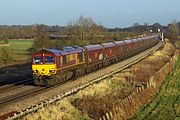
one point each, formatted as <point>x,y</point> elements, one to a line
<point>82,31</point>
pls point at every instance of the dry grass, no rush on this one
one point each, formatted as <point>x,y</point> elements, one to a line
<point>140,73</point>
<point>61,110</point>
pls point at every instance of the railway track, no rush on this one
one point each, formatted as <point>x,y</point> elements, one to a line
<point>18,96</point>
<point>8,87</point>
<point>80,83</point>
<point>34,90</point>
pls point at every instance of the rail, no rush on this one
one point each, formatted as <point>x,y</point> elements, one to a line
<point>15,85</point>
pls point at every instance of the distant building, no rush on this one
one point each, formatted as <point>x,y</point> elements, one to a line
<point>53,37</point>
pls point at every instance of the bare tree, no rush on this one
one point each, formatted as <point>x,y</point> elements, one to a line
<point>173,27</point>
<point>146,24</point>
<point>41,39</point>
<point>84,29</point>
<point>136,24</point>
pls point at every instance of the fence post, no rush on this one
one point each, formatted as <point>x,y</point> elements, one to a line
<point>111,115</point>
<point>107,116</point>
<point>104,118</point>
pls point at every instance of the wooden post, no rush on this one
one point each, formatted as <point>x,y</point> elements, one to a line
<point>107,116</point>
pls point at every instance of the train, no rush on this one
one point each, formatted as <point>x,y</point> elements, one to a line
<point>52,66</point>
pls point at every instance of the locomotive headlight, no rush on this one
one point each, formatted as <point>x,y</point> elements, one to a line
<point>52,70</point>
<point>35,71</point>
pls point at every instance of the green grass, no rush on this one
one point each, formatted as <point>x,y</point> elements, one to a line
<point>20,45</point>
<point>20,48</point>
<point>166,102</point>
<point>3,42</point>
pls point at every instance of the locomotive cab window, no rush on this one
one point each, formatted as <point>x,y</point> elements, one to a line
<point>49,59</point>
<point>81,56</point>
<point>64,59</point>
<point>37,60</point>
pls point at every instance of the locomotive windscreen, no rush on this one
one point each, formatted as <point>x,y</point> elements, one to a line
<point>49,59</point>
<point>37,60</point>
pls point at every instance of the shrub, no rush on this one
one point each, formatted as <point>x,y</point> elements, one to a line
<point>6,55</point>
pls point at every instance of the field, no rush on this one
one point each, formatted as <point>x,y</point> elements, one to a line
<point>19,49</point>
<point>166,102</point>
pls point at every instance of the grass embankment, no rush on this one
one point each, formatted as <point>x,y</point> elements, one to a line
<point>166,102</point>
<point>95,100</point>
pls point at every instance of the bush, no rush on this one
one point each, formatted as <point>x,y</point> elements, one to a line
<point>6,55</point>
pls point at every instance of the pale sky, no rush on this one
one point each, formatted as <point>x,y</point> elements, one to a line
<point>110,13</point>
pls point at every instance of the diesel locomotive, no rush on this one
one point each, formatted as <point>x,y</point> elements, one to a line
<point>53,66</point>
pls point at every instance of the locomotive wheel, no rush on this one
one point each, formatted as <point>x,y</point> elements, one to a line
<point>52,80</point>
<point>39,81</point>
<point>82,71</point>
<point>105,63</point>
<point>58,78</point>
<point>100,65</point>
<point>78,73</point>
<point>69,75</point>
<point>88,69</point>
<point>64,78</point>
<point>96,66</point>
<point>93,68</point>
<point>113,60</point>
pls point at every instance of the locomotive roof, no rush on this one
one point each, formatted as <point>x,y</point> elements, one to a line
<point>110,44</point>
<point>65,50</point>
<point>93,47</point>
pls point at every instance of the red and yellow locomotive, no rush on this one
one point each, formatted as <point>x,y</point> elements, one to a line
<point>52,66</point>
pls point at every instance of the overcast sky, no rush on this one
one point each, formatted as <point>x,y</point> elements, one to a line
<point>110,13</point>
